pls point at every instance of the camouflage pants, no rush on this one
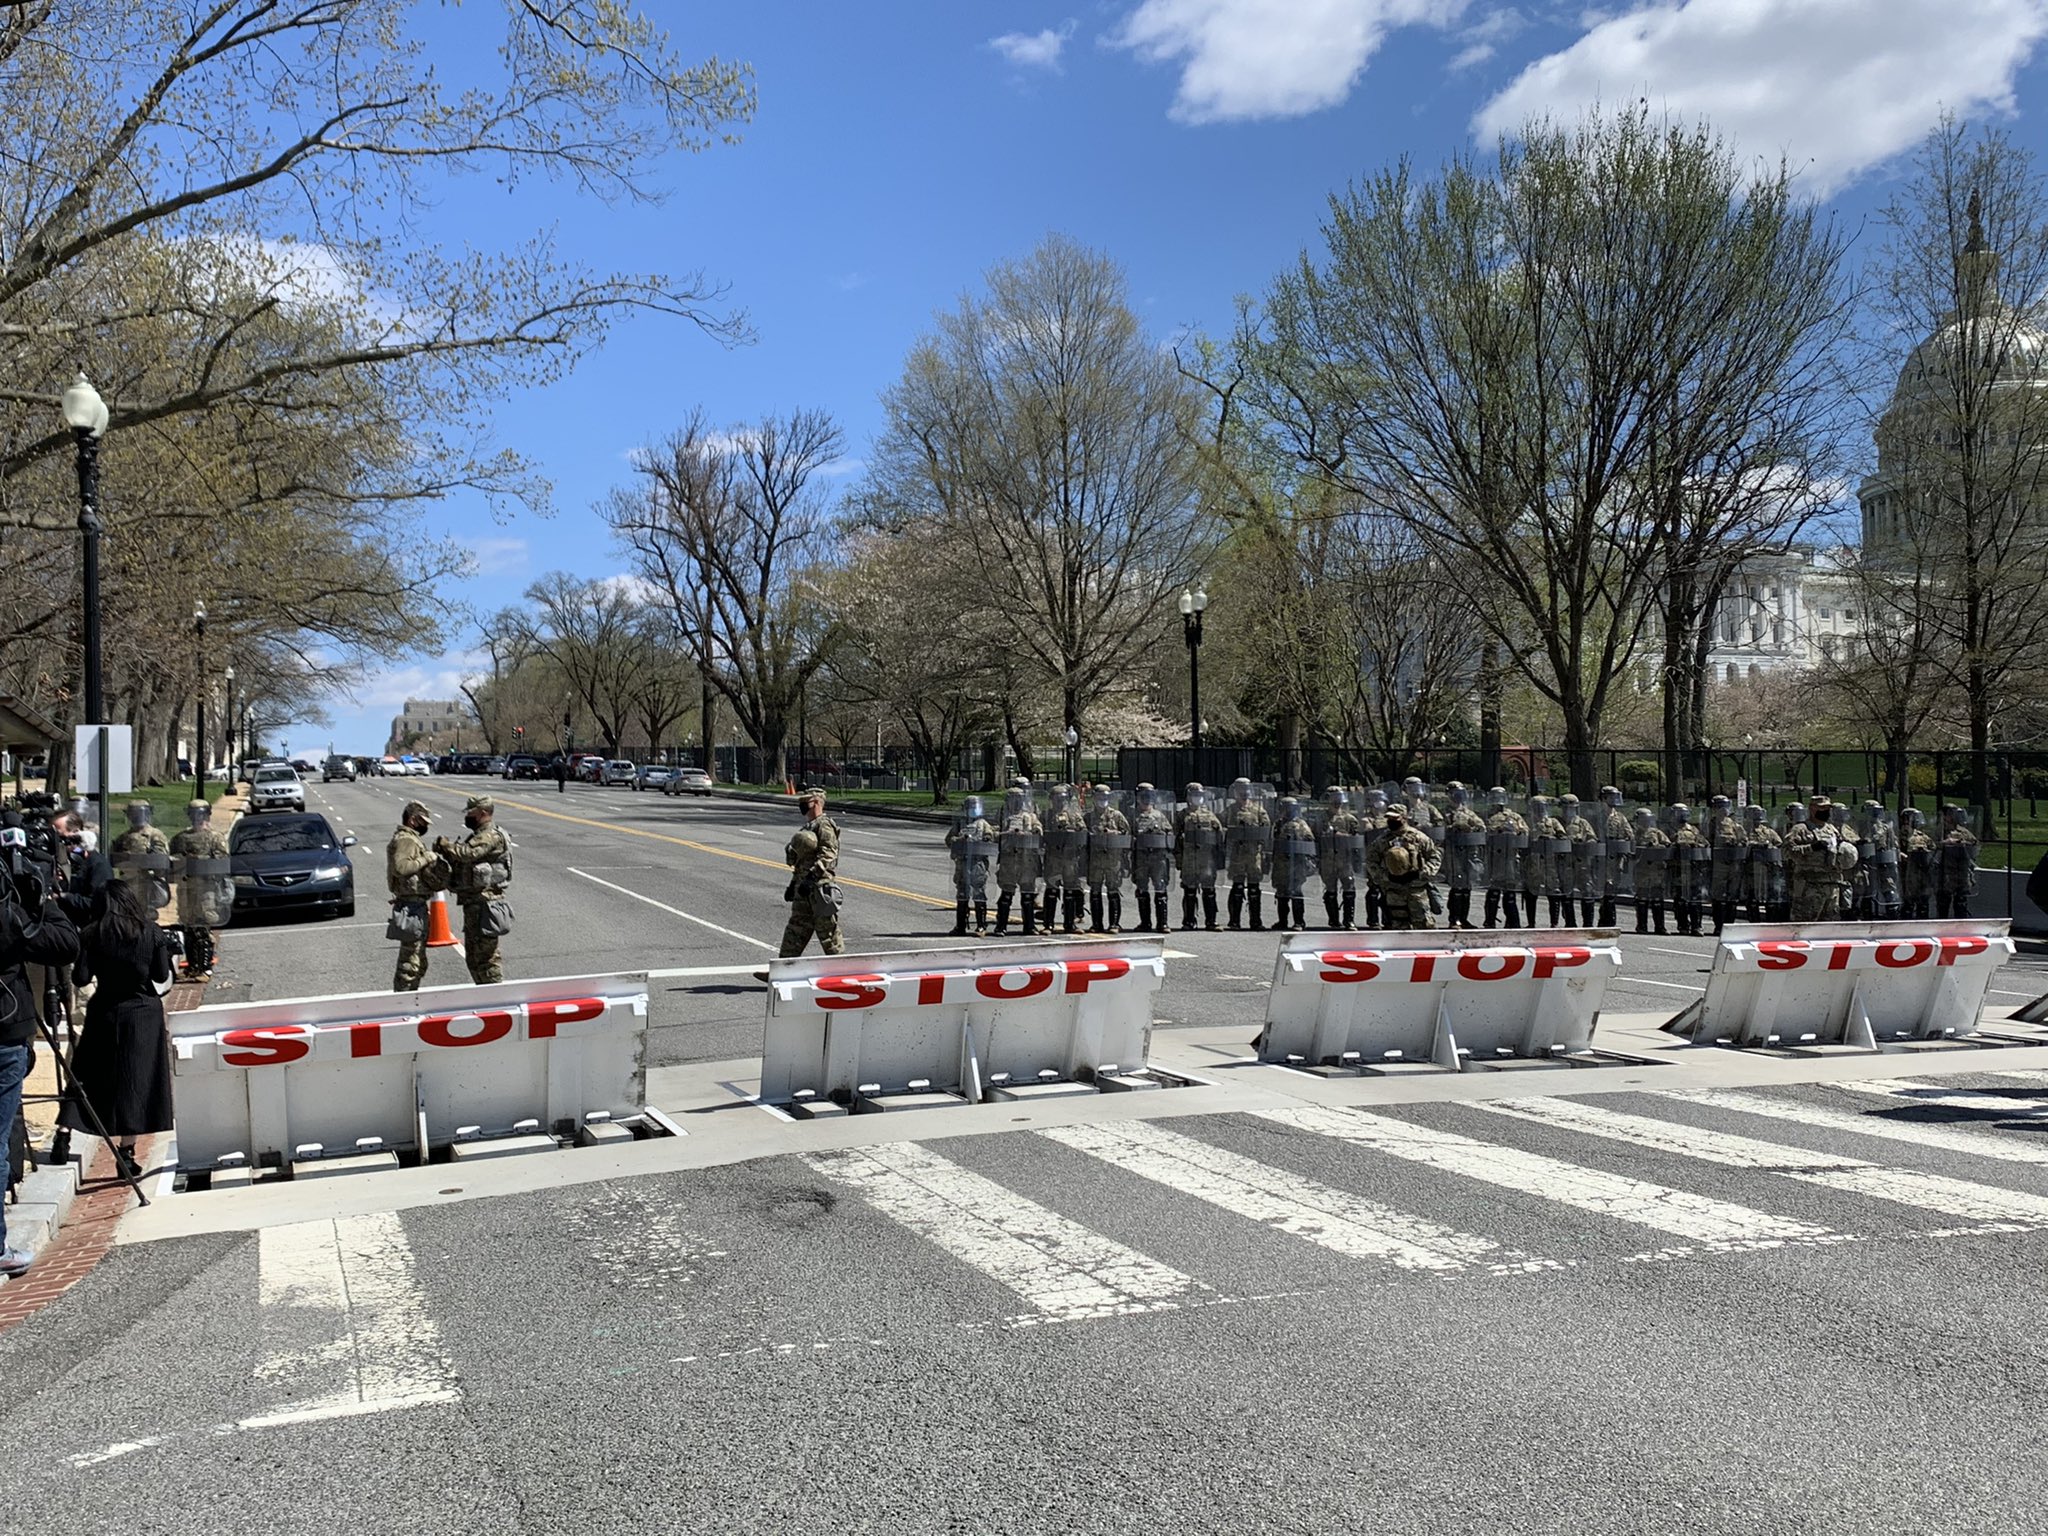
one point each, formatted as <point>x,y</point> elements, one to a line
<point>1815,901</point>
<point>412,966</point>
<point>479,949</point>
<point>1407,906</point>
<point>803,924</point>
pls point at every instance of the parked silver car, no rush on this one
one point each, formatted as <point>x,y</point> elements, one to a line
<point>617,771</point>
<point>277,789</point>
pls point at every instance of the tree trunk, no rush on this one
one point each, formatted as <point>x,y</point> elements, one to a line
<point>1490,687</point>
<point>1579,745</point>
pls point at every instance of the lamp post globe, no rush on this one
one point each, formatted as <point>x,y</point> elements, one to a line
<point>85,413</point>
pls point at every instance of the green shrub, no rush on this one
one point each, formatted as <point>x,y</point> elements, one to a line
<point>1637,769</point>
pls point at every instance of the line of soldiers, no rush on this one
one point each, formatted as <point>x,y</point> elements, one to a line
<point>194,864</point>
<point>1062,865</point>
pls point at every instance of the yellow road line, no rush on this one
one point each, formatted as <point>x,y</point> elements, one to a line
<point>683,842</point>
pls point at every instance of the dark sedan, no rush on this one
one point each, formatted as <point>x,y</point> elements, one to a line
<point>291,863</point>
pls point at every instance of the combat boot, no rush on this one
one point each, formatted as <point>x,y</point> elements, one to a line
<point>1144,911</point>
<point>1301,913</point>
<point>1513,906</point>
<point>1657,916</point>
<point>1116,911</point>
<point>1050,908</point>
<point>1375,908</point>
<point>1493,911</point>
<point>1002,915</point>
<point>1161,913</point>
<point>1073,911</point>
<point>959,919</point>
<point>1209,909</point>
<point>1607,917</point>
<point>1237,906</point>
<point>1280,924</point>
<point>1095,912</point>
<point>1257,897</point>
<point>1030,915</point>
<point>981,919</point>
<point>1330,908</point>
<point>1187,913</point>
<point>1642,917</point>
<point>1553,913</point>
<point>1350,911</point>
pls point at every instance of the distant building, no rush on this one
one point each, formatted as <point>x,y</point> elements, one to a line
<point>1785,612</point>
<point>428,720</point>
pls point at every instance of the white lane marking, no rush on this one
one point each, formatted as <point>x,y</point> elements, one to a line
<point>703,970</point>
<point>2001,992</point>
<point>1063,1271</point>
<point>1902,1186</point>
<point>676,912</point>
<point>1903,1091</point>
<point>753,831</point>
<point>1644,981</point>
<point>349,1283</point>
<point>1333,1218</point>
<point>1718,1225</point>
<point>1871,1123</point>
<point>1690,954</point>
<point>2023,1076</point>
<point>295,930</point>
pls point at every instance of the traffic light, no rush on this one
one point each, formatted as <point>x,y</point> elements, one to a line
<point>519,732</point>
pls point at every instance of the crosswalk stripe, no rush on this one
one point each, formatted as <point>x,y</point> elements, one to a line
<point>1333,1218</point>
<point>1718,1224</point>
<point>1901,1186</point>
<point>1911,1092</point>
<point>1060,1268</point>
<point>1868,1123</point>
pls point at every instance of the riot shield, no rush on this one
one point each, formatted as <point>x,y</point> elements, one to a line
<point>1248,833</point>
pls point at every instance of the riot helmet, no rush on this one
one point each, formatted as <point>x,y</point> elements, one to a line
<point>970,808</point>
<point>1337,798</point>
<point>1953,816</point>
<point>1098,797</point>
<point>1681,813</point>
<point>1460,795</point>
<point>1016,801</point>
<point>137,812</point>
<point>1752,816</point>
<point>1062,796</point>
<point>1718,804</point>
<point>1289,808</point>
<point>1376,800</point>
<point>1413,788</point>
<point>1539,808</point>
<point>1241,790</point>
<point>1795,813</point>
<point>1497,797</point>
<point>1643,819</point>
<point>1146,793</point>
<point>1916,819</point>
<point>1610,796</point>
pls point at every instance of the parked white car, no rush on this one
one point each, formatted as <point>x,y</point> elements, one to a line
<point>277,789</point>
<point>618,771</point>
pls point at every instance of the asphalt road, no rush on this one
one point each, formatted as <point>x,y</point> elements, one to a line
<point>611,879</point>
<point>1430,1318</point>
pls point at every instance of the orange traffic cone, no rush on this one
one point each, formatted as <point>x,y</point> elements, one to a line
<point>439,935</point>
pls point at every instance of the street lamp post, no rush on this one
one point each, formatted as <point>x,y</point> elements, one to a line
<point>1192,605</point>
<point>86,414</point>
<point>1073,755</point>
<point>199,747</point>
<point>227,722</point>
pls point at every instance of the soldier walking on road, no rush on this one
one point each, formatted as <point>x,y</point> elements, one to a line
<point>1548,866</point>
<point>1650,867</point>
<point>1507,848</point>
<point>1465,841</point>
<point>1201,846</point>
<point>1955,868</point>
<point>1294,855</point>
<point>1691,870</point>
<point>1618,873</point>
<point>1248,833</point>
<point>206,892</point>
<point>479,870</point>
<point>972,843</point>
<point>813,893</point>
<point>413,874</point>
<point>1109,861</point>
<point>1066,861</point>
<point>1022,850</point>
<point>1813,869</point>
<point>143,853</point>
<point>1588,862</point>
<point>1340,859</point>
<point>1152,859</point>
<point>1404,860</point>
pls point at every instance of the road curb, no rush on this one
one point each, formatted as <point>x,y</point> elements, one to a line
<point>841,807</point>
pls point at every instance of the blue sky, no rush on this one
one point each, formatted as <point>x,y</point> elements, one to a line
<point>901,148</point>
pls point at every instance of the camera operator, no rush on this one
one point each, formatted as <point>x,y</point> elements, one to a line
<point>33,929</point>
<point>122,1059</point>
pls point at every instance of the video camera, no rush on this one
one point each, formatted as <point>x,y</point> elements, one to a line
<point>37,857</point>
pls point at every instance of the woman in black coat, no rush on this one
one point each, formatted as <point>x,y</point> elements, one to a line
<point>122,1060</point>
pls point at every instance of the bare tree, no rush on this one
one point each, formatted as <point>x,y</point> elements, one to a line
<point>589,629</point>
<point>727,529</point>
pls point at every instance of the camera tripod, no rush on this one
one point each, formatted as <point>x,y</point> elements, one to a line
<point>68,1090</point>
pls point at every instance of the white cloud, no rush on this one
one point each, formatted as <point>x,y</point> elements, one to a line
<point>1836,86</point>
<point>1483,38</point>
<point>498,557</point>
<point>1034,50</point>
<point>1269,58</point>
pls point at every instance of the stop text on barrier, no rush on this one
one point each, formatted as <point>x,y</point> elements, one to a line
<point>1424,967</point>
<point>1866,954</point>
<point>277,1045</point>
<point>939,988</point>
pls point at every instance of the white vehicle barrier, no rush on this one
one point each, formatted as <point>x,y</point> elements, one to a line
<point>324,1076</point>
<point>1374,1000</point>
<point>1864,985</point>
<point>982,1021</point>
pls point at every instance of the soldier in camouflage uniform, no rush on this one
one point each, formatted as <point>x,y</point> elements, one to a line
<point>1691,876</point>
<point>1151,859</point>
<point>1294,854</point>
<point>1340,858</point>
<point>813,892</point>
<point>1548,847</point>
<point>206,891</point>
<point>1650,868</point>
<point>1201,850</point>
<point>1022,841</point>
<point>1248,836</point>
<point>1619,843</point>
<point>1404,859</point>
<point>1764,868</point>
<point>1588,861</point>
<point>1955,864</point>
<point>1507,849</point>
<point>1856,878</point>
<point>1813,862</point>
<point>1464,853</point>
<point>479,869</point>
<point>1372,821</point>
<point>972,843</point>
<point>143,854</point>
<point>413,873</point>
<point>1066,860</point>
<point>1880,863</point>
<point>1730,878</point>
<point>1109,861</point>
<point>1916,864</point>
<point>1415,808</point>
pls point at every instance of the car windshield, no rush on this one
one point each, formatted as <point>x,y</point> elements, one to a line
<point>276,776</point>
<point>280,837</point>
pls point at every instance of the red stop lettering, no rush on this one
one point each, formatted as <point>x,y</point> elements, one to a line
<point>491,1024</point>
<point>850,991</point>
<point>1839,953</point>
<point>542,1019</point>
<point>1473,966</point>
<point>1081,974</point>
<point>1342,965</point>
<point>1780,954</point>
<point>1955,949</point>
<point>1550,961</point>
<point>271,1047</point>
<point>1036,979</point>
<point>1901,953</point>
<point>931,989</point>
<point>366,1039</point>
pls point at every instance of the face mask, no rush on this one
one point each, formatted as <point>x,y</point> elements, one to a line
<point>472,822</point>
